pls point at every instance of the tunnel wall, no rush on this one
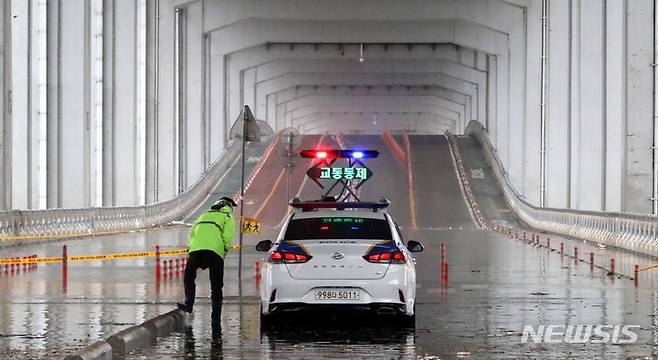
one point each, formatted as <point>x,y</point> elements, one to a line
<point>174,75</point>
<point>600,105</point>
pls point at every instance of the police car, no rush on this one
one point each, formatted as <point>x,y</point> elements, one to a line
<point>339,255</point>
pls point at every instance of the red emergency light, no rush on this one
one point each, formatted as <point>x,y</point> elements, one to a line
<point>319,154</point>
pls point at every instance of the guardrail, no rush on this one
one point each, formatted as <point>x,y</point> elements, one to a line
<point>633,232</point>
<point>18,225</point>
<point>480,220</point>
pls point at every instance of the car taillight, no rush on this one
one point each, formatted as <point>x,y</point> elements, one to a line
<point>393,257</point>
<point>280,257</point>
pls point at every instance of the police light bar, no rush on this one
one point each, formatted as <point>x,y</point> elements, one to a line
<point>342,154</point>
<point>315,205</point>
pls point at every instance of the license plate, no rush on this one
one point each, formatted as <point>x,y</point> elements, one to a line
<point>337,294</point>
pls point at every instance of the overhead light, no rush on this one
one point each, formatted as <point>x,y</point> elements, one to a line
<point>361,58</point>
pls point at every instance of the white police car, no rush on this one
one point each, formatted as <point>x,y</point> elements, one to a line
<point>337,255</point>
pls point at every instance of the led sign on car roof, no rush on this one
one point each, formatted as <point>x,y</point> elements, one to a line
<point>349,178</point>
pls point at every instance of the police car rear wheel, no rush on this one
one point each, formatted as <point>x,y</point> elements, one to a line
<point>408,320</point>
<point>265,319</point>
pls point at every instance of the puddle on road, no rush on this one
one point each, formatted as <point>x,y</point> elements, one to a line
<point>308,336</point>
<point>497,285</point>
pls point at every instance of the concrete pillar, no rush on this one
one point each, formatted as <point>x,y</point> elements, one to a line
<point>502,125</point>
<point>74,104</point>
<point>532,118</point>
<point>589,190</point>
<point>152,102</point>
<point>205,98</point>
<point>575,103</point>
<point>558,113</point>
<point>615,118</point>
<point>54,124</point>
<point>5,161</point>
<point>248,87</point>
<point>270,111</point>
<point>24,122</point>
<point>517,96</point>
<point>109,103</point>
<point>216,88</point>
<point>194,134</point>
<point>68,106</point>
<point>491,100</point>
<point>639,94</point>
<point>165,150</point>
<point>124,112</point>
<point>39,105</point>
<point>281,110</point>
<point>21,120</point>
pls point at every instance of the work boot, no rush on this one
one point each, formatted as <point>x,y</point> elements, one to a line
<point>216,333</point>
<point>184,307</point>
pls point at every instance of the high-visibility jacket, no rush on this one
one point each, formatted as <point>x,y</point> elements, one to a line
<point>213,230</point>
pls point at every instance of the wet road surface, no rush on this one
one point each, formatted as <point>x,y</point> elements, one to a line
<point>496,285</point>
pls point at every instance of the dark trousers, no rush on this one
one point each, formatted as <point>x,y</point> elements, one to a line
<point>206,259</point>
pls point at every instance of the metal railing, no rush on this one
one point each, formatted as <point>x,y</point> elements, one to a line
<point>633,232</point>
<point>480,220</point>
<point>18,225</point>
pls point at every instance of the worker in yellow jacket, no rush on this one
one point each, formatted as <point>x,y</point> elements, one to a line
<point>209,241</point>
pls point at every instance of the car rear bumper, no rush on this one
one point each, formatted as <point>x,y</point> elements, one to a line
<point>378,308</point>
<point>394,293</point>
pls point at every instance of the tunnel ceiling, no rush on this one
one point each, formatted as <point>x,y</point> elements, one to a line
<point>113,92</point>
<point>285,78</point>
<point>299,64</point>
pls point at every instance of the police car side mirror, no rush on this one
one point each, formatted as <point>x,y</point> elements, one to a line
<point>264,245</point>
<point>414,246</point>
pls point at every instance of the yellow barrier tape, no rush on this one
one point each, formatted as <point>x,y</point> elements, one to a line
<point>650,267</point>
<point>16,261</point>
<point>30,261</point>
<point>101,257</point>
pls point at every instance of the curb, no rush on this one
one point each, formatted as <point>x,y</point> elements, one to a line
<point>129,339</point>
<point>100,350</point>
<point>165,324</point>
<point>132,338</point>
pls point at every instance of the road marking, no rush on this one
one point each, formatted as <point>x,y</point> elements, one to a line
<point>477,173</point>
<point>267,199</point>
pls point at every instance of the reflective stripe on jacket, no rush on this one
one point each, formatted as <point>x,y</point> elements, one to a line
<point>213,230</point>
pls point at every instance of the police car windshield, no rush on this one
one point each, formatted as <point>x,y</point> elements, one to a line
<point>338,228</point>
